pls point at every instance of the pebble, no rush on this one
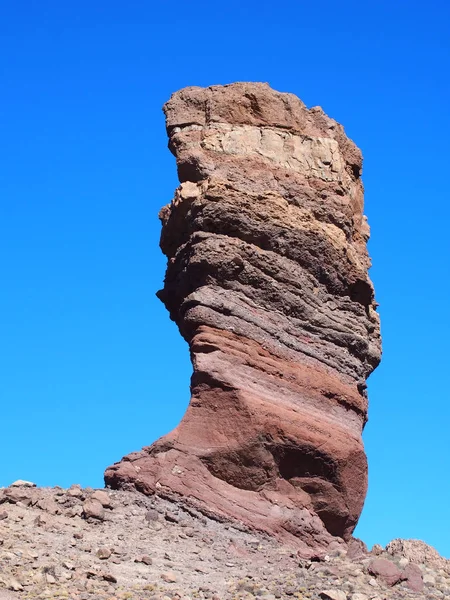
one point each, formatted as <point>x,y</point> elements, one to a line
<point>171,517</point>
<point>147,560</point>
<point>333,595</point>
<point>103,553</point>
<point>151,516</point>
<point>109,577</point>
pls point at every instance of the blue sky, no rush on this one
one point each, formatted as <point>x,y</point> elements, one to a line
<point>92,368</point>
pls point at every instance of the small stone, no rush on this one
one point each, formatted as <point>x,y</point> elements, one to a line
<point>41,520</point>
<point>13,584</point>
<point>91,573</point>
<point>103,553</point>
<point>144,559</point>
<point>333,595</point>
<point>359,596</point>
<point>171,517</point>
<point>38,578</point>
<point>254,542</point>
<point>169,577</point>
<point>68,565</point>
<point>151,516</point>
<point>3,515</point>
<point>78,535</point>
<point>289,590</point>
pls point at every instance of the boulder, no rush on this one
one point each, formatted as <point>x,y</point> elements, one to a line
<point>92,509</point>
<point>102,497</point>
<point>385,570</point>
<point>412,575</point>
<point>13,495</point>
<point>23,483</point>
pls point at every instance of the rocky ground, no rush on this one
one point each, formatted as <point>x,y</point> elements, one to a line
<point>86,544</point>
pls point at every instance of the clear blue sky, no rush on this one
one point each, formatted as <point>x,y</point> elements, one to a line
<point>91,366</point>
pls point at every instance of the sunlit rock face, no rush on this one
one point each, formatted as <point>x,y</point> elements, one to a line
<point>267,280</point>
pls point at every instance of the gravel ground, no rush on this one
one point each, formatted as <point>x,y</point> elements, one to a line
<point>83,544</point>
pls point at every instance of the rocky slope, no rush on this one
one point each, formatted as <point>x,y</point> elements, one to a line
<point>84,544</point>
<point>267,281</point>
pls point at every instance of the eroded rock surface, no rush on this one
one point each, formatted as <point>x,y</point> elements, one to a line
<point>267,279</point>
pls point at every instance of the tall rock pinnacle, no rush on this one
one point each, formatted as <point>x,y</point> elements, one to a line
<point>267,281</point>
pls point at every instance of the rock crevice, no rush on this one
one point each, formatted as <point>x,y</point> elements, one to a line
<point>267,279</point>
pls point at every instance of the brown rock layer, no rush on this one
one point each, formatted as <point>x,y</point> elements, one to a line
<point>267,281</point>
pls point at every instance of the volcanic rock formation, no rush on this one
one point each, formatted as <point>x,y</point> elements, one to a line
<point>267,281</point>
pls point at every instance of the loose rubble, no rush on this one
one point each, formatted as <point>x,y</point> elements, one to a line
<point>51,547</point>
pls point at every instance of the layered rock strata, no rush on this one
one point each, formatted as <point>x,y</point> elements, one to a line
<point>267,280</point>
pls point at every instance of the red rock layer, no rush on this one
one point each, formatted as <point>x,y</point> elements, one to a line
<point>267,281</point>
